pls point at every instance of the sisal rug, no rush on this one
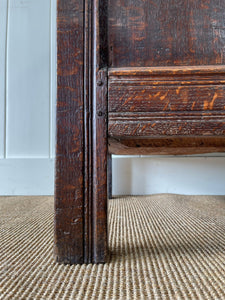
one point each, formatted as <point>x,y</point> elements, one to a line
<point>162,247</point>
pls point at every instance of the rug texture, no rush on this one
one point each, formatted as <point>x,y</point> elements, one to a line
<point>162,247</point>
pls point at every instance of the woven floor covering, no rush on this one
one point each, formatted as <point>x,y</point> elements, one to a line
<point>162,247</point>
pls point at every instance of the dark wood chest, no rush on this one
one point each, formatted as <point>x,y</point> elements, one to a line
<point>134,77</point>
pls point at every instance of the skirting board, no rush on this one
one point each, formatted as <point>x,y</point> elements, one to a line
<point>28,176</point>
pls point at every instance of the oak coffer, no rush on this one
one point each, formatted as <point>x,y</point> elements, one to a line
<point>134,77</point>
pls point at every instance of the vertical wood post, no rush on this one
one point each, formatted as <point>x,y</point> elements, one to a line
<point>81,152</point>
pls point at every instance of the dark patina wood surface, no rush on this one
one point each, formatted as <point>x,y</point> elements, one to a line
<point>69,181</point>
<point>166,146</point>
<point>81,153</point>
<point>167,101</point>
<point>166,76</point>
<point>144,33</point>
<point>144,77</point>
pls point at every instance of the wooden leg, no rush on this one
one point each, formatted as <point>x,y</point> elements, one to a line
<point>81,151</point>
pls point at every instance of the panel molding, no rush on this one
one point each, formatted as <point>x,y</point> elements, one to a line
<point>27,124</point>
<point>168,70</point>
<point>167,101</point>
<point>195,88</point>
<point>167,146</point>
<point>25,172</point>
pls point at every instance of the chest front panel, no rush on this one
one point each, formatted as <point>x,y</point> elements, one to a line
<point>166,68</point>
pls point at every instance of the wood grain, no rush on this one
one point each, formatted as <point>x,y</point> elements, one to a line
<point>166,146</point>
<point>99,166</point>
<point>166,33</point>
<point>166,95</point>
<point>206,70</point>
<point>81,154</point>
<point>166,124</point>
<point>167,101</point>
<point>167,89</point>
<point>69,182</point>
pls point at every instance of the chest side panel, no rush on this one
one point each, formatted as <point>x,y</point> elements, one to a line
<point>166,32</point>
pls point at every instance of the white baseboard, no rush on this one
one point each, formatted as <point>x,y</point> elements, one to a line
<point>179,175</point>
<point>34,176</point>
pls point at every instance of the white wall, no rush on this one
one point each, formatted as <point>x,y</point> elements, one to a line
<point>194,175</point>
<point>27,96</point>
<point>27,115</point>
